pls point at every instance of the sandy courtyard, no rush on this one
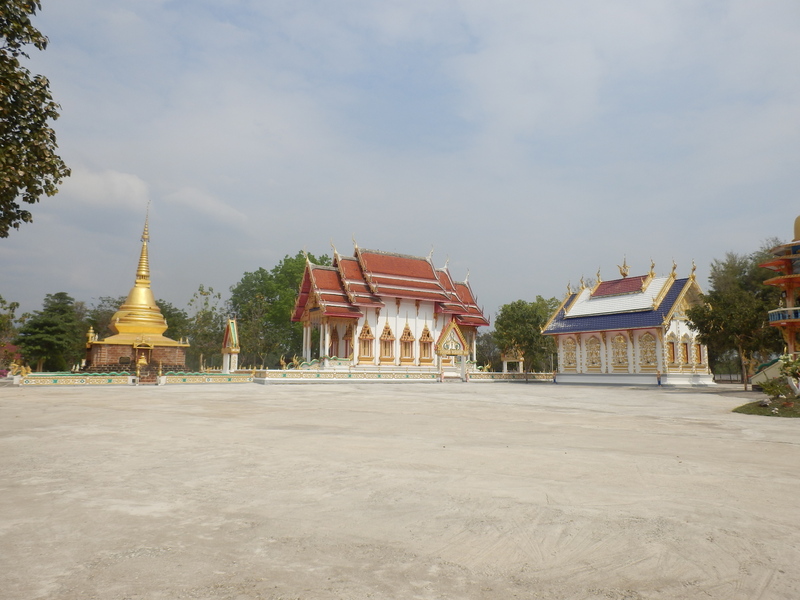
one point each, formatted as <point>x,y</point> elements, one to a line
<point>426,491</point>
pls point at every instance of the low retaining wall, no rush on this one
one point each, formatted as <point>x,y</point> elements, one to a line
<point>304,376</point>
<point>273,376</point>
<point>72,379</point>
<point>40,379</point>
<point>172,378</point>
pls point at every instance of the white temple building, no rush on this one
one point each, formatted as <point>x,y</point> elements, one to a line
<point>386,311</point>
<point>632,330</point>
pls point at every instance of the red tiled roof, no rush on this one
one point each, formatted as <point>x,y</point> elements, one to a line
<point>615,287</point>
<point>473,313</point>
<point>354,282</point>
<point>400,275</point>
<point>370,277</point>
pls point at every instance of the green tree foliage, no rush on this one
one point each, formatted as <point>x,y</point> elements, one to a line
<point>206,326</point>
<point>7,312</point>
<point>100,314</point>
<point>263,302</point>
<point>29,166</point>
<point>7,330</point>
<point>178,322</point>
<point>734,316</point>
<point>487,352</point>
<point>53,338</point>
<point>519,325</point>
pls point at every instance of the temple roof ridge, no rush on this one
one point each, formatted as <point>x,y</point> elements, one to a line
<point>394,254</point>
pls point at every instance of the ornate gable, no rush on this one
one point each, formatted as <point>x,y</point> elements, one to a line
<point>452,342</point>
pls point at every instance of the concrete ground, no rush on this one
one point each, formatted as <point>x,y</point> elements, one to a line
<point>428,491</point>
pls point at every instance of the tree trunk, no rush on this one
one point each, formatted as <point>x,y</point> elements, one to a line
<point>743,360</point>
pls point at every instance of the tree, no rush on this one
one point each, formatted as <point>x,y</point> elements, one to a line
<point>206,326</point>
<point>29,166</point>
<point>7,330</point>
<point>100,315</point>
<point>178,322</point>
<point>733,318</point>
<point>7,311</point>
<point>53,337</point>
<point>487,352</point>
<point>263,302</point>
<point>519,326</point>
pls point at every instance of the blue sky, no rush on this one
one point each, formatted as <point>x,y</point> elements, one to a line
<point>530,142</point>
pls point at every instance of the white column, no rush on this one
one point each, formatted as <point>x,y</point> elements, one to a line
<point>226,363</point>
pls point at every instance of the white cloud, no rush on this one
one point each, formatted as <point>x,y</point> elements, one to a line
<point>106,188</point>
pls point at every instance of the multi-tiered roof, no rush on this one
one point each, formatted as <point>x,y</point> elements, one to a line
<point>370,278</point>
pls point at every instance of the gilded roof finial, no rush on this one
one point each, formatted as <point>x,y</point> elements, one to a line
<point>694,268</point>
<point>569,288</point>
<point>583,283</point>
<point>599,279</point>
<point>143,270</point>
<point>652,268</point>
<point>624,269</point>
<point>674,267</point>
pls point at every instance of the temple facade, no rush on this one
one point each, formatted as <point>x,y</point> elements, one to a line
<point>630,330</point>
<point>380,310</point>
<point>137,343</point>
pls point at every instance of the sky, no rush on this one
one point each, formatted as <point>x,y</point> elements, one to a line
<point>528,143</point>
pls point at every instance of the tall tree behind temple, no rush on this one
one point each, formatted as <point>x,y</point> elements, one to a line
<point>29,165</point>
<point>519,325</point>
<point>734,318</point>
<point>206,326</point>
<point>52,338</point>
<point>263,302</point>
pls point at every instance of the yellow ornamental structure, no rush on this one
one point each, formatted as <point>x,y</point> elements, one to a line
<point>138,341</point>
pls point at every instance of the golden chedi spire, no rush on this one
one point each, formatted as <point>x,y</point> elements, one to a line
<point>139,318</point>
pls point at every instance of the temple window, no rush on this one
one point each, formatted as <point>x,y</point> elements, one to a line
<point>425,345</point>
<point>593,352</point>
<point>684,353</point>
<point>365,343</point>
<point>407,344</point>
<point>647,344</point>
<point>387,343</point>
<point>671,352</point>
<point>619,351</point>
<point>570,359</point>
<point>698,354</point>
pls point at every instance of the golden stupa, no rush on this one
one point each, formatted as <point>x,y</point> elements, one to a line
<point>138,327</point>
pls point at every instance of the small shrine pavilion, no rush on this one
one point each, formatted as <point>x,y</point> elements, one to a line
<point>786,263</point>
<point>630,330</point>
<point>381,310</point>
<point>137,343</point>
